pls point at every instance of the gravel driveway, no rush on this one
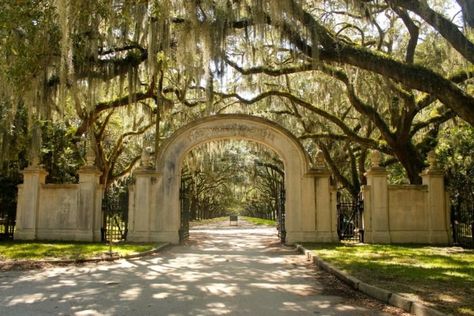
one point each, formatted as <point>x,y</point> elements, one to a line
<point>222,270</point>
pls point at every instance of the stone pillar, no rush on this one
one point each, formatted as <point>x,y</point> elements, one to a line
<point>139,217</point>
<point>437,211</point>
<point>89,217</point>
<point>140,220</point>
<point>28,203</point>
<point>376,217</point>
<point>326,212</point>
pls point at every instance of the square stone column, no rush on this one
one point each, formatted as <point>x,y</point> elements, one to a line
<point>376,213</point>
<point>141,220</point>
<point>89,217</point>
<point>28,203</point>
<point>437,206</point>
<point>326,211</point>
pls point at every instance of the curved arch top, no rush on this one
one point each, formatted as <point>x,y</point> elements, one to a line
<point>232,126</point>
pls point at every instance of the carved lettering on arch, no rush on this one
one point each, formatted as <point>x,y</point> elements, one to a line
<point>232,130</point>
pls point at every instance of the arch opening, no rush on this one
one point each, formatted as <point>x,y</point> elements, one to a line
<point>231,178</point>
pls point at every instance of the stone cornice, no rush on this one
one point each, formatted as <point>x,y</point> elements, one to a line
<point>146,172</point>
<point>376,171</point>
<point>318,173</point>
<point>90,170</point>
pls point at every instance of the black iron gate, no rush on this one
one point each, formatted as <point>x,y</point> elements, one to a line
<point>7,224</point>
<point>462,220</point>
<point>281,213</point>
<point>184,200</point>
<point>349,218</point>
<point>8,200</point>
<point>115,215</point>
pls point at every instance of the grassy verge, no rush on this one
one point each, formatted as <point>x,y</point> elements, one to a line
<point>209,221</point>
<point>253,220</point>
<point>259,221</point>
<point>441,277</point>
<point>15,250</point>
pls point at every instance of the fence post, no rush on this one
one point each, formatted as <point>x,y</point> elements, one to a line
<point>376,217</point>
<point>29,202</point>
<point>437,210</point>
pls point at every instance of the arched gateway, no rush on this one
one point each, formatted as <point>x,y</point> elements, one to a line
<point>154,209</point>
<point>392,213</point>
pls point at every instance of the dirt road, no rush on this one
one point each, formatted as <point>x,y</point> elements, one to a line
<point>222,270</point>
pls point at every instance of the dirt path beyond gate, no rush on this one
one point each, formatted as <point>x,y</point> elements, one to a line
<point>222,270</point>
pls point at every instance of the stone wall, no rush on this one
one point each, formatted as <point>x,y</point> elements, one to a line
<point>392,214</point>
<point>59,211</point>
<point>406,213</point>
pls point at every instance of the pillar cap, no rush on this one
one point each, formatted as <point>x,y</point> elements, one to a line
<point>145,171</point>
<point>90,170</point>
<point>34,169</point>
<point>432,172</point>
<point>318,172</point>
<point>376,171</point>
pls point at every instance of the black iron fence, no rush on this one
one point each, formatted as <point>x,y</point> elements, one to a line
<point>7,212</point>
<point>184,199</point>
<point>115,215</point>
<point>7,216</point>
<point>462,221</point>
<point>349,218</point>
<point>281,214</point>
<point>7,225</point>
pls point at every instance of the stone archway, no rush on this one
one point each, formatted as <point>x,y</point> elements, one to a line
<point>154,208</point>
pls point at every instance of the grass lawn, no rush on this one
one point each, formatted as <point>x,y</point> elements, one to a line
<point>253,220</point>
<point>441,277</point>
<point>37,250</point>
<point>209,221</point>
<point>259,221</point>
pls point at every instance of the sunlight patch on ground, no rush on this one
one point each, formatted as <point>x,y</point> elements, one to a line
<point>169,287</point>
<point>220,289</point>
<point>291,306</point>
<point>131,294</point>
<point>27,299</point>
<point>162,295</point>
<point>218,308</point>
<point>298,289</point>
<point>88,312</point>
<point>447,298</point>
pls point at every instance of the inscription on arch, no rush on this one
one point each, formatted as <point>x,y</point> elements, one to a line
<point>231,130</point>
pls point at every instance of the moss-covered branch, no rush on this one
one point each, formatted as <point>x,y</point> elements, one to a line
<point>414,76</point>
<point>308,106</point>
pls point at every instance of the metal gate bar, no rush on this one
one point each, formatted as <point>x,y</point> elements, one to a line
<point>349,218</point>
<point>462,220</point>
<point>281,213</point>
<point>7,227</point>
<point>115,216</point>
<point>185,210</point>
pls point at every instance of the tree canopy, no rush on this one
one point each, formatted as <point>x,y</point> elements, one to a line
<point>346,76</point>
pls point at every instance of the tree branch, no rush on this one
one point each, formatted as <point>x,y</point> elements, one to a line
<point>445,27</point>
<point>332,118</point>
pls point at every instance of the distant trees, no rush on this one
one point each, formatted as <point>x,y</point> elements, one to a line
<point>456,155</point>
<point>232,177</point>
<point>267,193</point>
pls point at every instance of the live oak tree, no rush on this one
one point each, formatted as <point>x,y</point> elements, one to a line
<point>119,69</point>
